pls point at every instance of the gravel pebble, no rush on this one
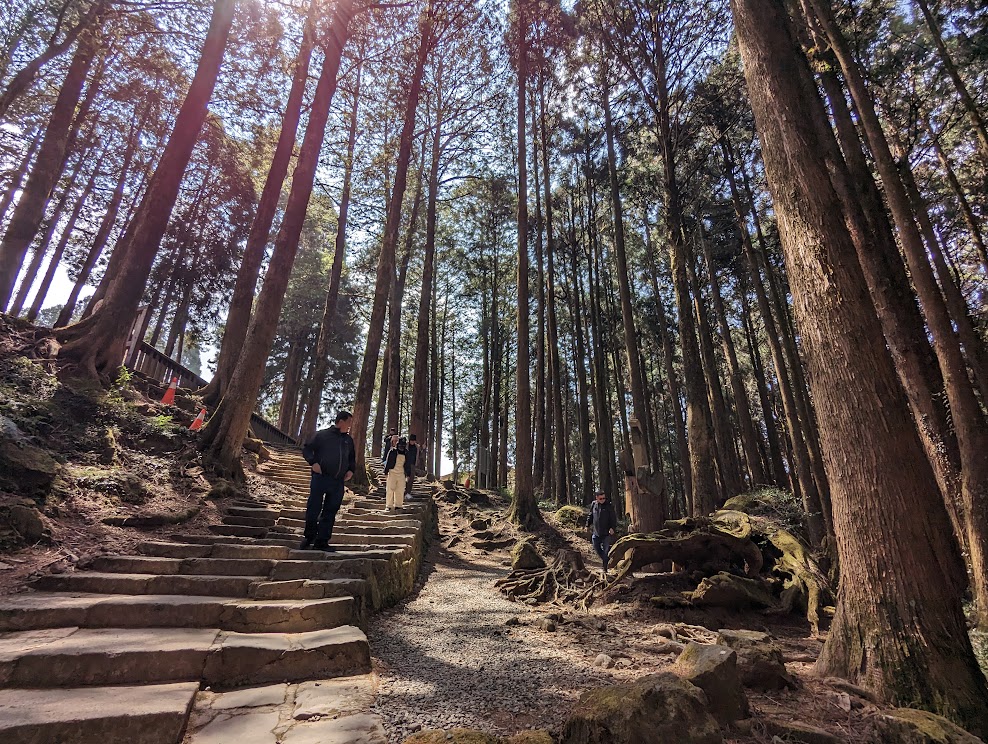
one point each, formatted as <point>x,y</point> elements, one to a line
<point>448,658</point>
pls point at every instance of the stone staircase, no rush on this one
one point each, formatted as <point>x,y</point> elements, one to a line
<point>152,648</point>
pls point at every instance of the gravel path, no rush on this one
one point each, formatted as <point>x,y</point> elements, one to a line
<point>446,658</point>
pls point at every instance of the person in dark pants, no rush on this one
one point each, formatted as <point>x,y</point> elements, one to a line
<point>410,457</point>
<point>602,520</point>
<point>332,455</point>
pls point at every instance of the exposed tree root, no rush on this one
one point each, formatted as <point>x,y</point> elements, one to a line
<point>565,581</point>
<point>734,543</point>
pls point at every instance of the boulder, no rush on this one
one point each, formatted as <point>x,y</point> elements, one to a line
<point>456,736</point>
<point>24,467</point>
<point>603,661</point>
<point>714,670</point>
<point>28,523</point>
<point>571,516</point>
<point>727,590</point>
<point>657,708</point>
<point>525,556</point>
<point>910,726</point>
<point>480,524</point>
<point>741,639</point>
<point>760,663</point>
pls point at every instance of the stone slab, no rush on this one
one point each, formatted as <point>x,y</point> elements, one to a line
<point>148,714</point>
<point>359,729</point>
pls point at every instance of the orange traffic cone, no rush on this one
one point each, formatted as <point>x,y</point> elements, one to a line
<point>200,420</point>
<point>169,397</point>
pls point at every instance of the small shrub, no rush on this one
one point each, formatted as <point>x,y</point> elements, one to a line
<point>572,516</point>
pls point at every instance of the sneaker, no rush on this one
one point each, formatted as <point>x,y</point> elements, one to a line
<point>325,547</point>
<point>306,544</point>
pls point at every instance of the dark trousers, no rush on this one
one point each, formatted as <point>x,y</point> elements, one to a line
<point>325,499</point>
<point>602,544</point>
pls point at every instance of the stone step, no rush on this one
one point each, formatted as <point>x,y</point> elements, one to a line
<point>148,714</point>
<point>244,511</point>
<point>35,610</point>
<point>117,583</point>
<point>234,519</point>
<point>237,530</point>
<point>106,656</point>
<point>183,566</point>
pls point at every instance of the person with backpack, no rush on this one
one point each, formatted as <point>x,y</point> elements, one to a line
<point>602,522</point>
<point>332,457</point>
<point>397,469</point>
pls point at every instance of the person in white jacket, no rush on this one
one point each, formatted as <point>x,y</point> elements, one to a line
<point>397,468</point>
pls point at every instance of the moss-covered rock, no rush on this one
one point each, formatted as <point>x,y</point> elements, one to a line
<point>714,670</point>
<point>910,726</point>
<point>531,737</point>
<point>727,590</point>
<point>24,467</point>
<point>525,556</point>
<point>572,516</point>
<point>659,707</point>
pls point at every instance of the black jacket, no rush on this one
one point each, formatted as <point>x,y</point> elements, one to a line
<point>412,454</point>
<point>333,450</point>
<point>602,518</point>
<point>392,458</point>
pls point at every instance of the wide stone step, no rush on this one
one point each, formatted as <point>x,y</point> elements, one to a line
<point>148,714</point>
<point>183,566</point>
<point>243,511</point>
<point>234,519</point>
<point>78,657</point>
<point>35,610</point>
<point>237,530</point>
<point>117,583</point>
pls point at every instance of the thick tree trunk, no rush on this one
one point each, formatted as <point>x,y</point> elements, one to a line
<point>24,77</point>
<point>63,241</point>
<point>239,311</point>
<point>224,434</point>
<point>30,209</point>
<point>41,249</point>
<point>541,476</point>
<point>18,177</point>
<point>102,235</point>
<point>386,260</point>
<point>899,627</point>
<point>969,420</point>
<point>96,344</point>
<point>524,510</point>
<point>326,326</point>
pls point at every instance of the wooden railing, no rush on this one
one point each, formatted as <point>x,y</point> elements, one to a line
<point>150,362</point>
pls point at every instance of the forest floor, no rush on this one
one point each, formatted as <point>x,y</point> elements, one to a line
<point>459,653</point>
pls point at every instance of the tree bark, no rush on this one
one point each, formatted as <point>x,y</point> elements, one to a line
<point>239,311</point>
<point>524,509</point>
<point>386,260</point>
<point>96,344</point>
<point>321,360</point>
<point>899,627</point>
<point>63,241</point>
<point>29,212</point>
<point>224,434</point>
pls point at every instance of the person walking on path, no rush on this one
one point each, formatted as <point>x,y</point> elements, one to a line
<point>389,441</point>
<point>333,458</point>
<point>412,456</point>
<point>602,520</point>
<point>397,470</point>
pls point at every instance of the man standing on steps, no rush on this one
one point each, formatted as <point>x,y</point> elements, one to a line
<point>333,458</point>
<point>412,455</point>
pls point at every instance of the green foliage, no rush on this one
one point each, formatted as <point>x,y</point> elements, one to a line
<point>163,424</point>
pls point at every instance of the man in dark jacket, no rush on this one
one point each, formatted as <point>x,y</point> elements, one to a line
<point>411,457</point>
<point>602,520</point>
<point>389,441</point>
<point>333,458</point>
